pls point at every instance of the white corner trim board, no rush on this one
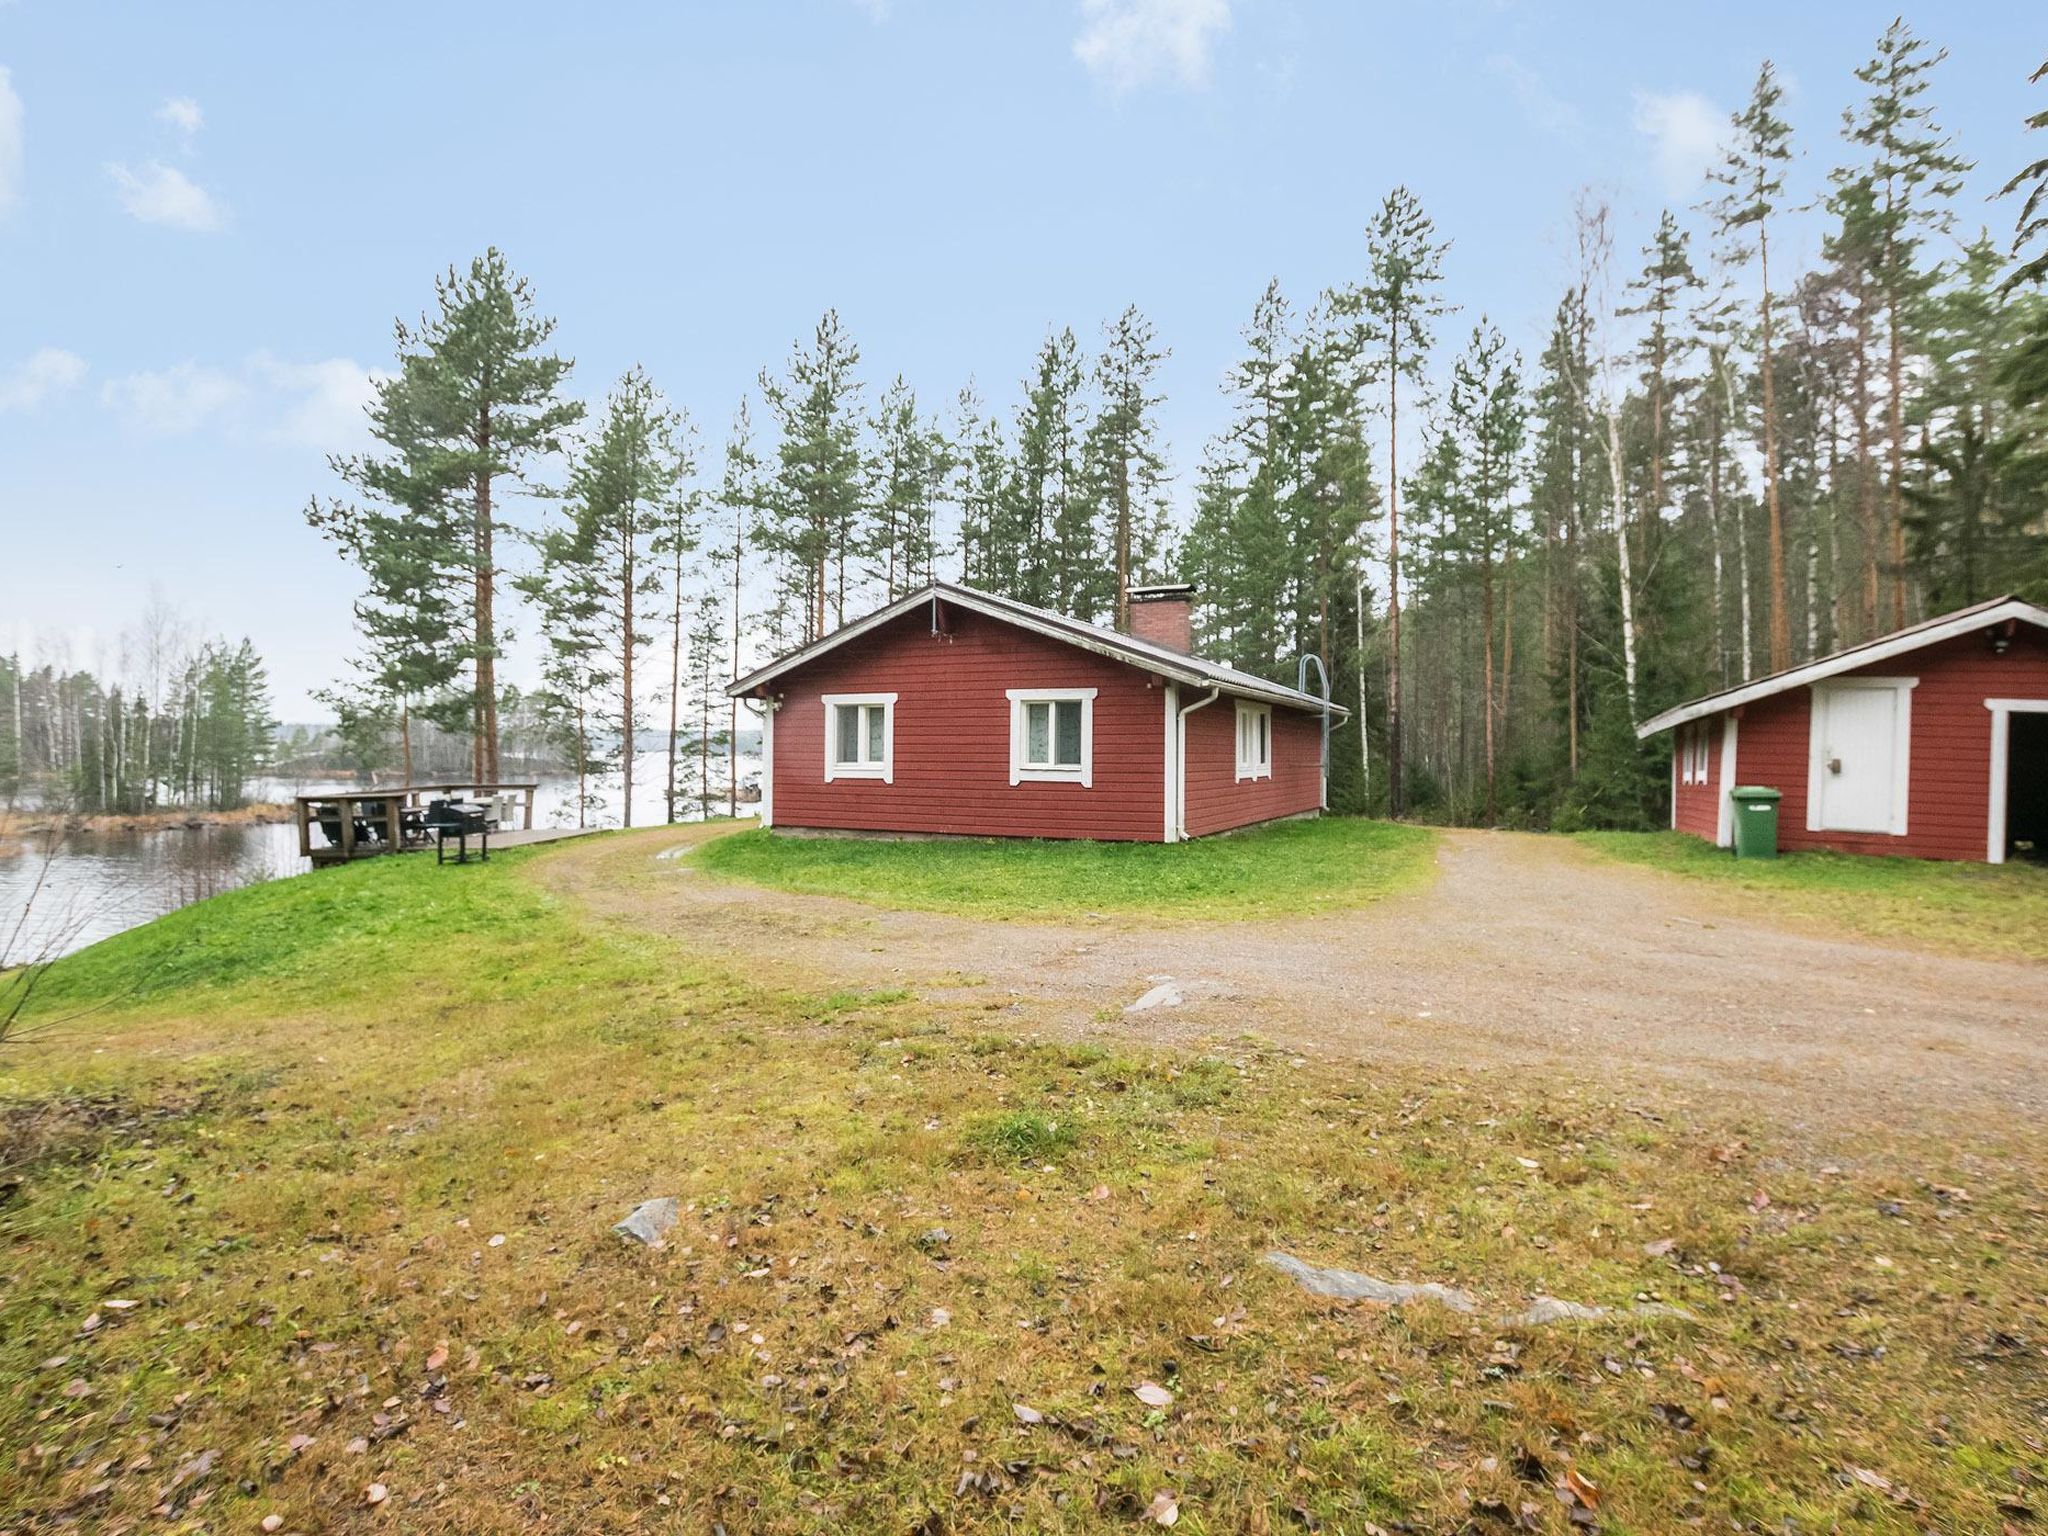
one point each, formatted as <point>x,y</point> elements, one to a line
<point>768,708</point>
<point>2002,711</point>
<point>1023,770</point>
<point>1858,765</point>
<point>1171,696</point>
<point>1724,816</point>
<point>865,763</point>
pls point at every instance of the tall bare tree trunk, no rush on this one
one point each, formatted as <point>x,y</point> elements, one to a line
<point>1617,484</point>
<point>732,735</point>
<point>1781,627</point>
<point>1395,803</point>
<point>1866,471</point>
<point>675,673</point>
<point>484,751</point>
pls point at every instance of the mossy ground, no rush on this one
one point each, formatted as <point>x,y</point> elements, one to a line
<point>347,1149</point>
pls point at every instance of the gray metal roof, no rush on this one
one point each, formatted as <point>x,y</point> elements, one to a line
<point>1913,637</point>
<point>1161,659</point>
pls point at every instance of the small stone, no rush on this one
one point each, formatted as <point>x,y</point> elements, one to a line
<point>273,1522</point>
<point>937,1237</point>
<point>1165,995</point>
<point>650,1221</point>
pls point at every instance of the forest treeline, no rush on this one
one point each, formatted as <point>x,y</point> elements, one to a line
<point>189,727</point>
<point>1506,551</point>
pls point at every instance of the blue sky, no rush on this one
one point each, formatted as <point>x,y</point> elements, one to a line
<point>211,214</point>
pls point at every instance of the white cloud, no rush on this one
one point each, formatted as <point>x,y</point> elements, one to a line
<point>163,194</point>
<point>1686,132</point>
<point>324,400</point>
<point>1544,108</point>
<point>183,114</point>
<point>1129,43</point>
<point>49,372</point>
<point>173,401</point>
<point>10,141</point>
<point>313,405</point>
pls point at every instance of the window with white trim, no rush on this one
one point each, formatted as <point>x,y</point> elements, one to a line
<point>1254,741</point>
<point>1052,735</point>
<point>1693,742</point>
<point>860,736</point>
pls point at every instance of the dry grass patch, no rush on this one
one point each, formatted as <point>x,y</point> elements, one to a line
<point>359,1222</point>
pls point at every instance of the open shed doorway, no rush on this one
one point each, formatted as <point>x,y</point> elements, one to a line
<point>2026,786</point>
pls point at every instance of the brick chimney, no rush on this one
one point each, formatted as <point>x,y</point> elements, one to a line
<point>1165,615</point>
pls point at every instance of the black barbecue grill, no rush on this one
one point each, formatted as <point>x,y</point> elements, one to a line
<point>461,820</point>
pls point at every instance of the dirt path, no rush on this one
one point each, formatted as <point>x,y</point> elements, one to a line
<point>1526,954</point>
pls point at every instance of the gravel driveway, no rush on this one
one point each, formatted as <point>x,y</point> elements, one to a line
<point>1527,954</point>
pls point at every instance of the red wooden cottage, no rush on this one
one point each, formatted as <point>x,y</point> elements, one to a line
<point>953,710</point>
<point>1931,742</point>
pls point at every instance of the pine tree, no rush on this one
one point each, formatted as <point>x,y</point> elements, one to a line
<point>811,506</point>
<point>474,402</point>
<point>623,498</point>
<point>1126,471</point>
<point>911,471</point>
<point>1913,177</point>
<point>1060,563</point>
<point>1488,419</point>
<point>740,500</point>
<point>1394,310</point>
<point>990,549</point>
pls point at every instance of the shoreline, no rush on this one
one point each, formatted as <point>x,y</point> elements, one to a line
<point>20,827</point>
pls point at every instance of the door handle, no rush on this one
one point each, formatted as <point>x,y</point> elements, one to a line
<point>1834,765</point>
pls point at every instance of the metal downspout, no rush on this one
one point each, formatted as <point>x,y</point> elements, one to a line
<point>1323,693</point>
<point>1180,775</point>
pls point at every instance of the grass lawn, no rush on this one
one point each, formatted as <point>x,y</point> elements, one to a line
<point>314,1220</point>
<point>1277,871</point>
<point>1996,910</point>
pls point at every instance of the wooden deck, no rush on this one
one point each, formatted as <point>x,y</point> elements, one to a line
<point>368,823</point>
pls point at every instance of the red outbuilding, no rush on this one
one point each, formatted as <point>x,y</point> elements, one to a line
<point>956,711</point>
<point>1931,743</point>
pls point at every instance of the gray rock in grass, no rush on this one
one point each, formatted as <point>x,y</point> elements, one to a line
<point>650,1221</point>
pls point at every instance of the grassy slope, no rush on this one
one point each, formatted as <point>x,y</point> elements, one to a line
<point>297,1145</point>
<point>1277,871</point>
<point>1972,908</point>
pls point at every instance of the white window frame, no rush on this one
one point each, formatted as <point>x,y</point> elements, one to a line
<point>2002,711</point>
<point>885,770</point>
<point>1022,772</point>
<point>1251,767</point>
<point>1902,744</point>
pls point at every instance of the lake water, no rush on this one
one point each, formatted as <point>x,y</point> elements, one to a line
<point>100,883</point>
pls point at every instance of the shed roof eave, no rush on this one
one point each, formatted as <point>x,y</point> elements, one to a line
<point>1902,642</point>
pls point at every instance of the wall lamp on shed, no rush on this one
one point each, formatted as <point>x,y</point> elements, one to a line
<point>2001,636</point>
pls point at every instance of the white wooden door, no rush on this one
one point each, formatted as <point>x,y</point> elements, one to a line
<point>1858,742</point>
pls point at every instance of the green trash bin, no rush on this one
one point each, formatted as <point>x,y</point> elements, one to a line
<point>1756,821</point>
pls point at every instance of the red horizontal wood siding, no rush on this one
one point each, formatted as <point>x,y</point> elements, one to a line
<point>1697,807</point>
<point>1218,801</point>
<point>1948,790</point>
<point>952,736</point>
